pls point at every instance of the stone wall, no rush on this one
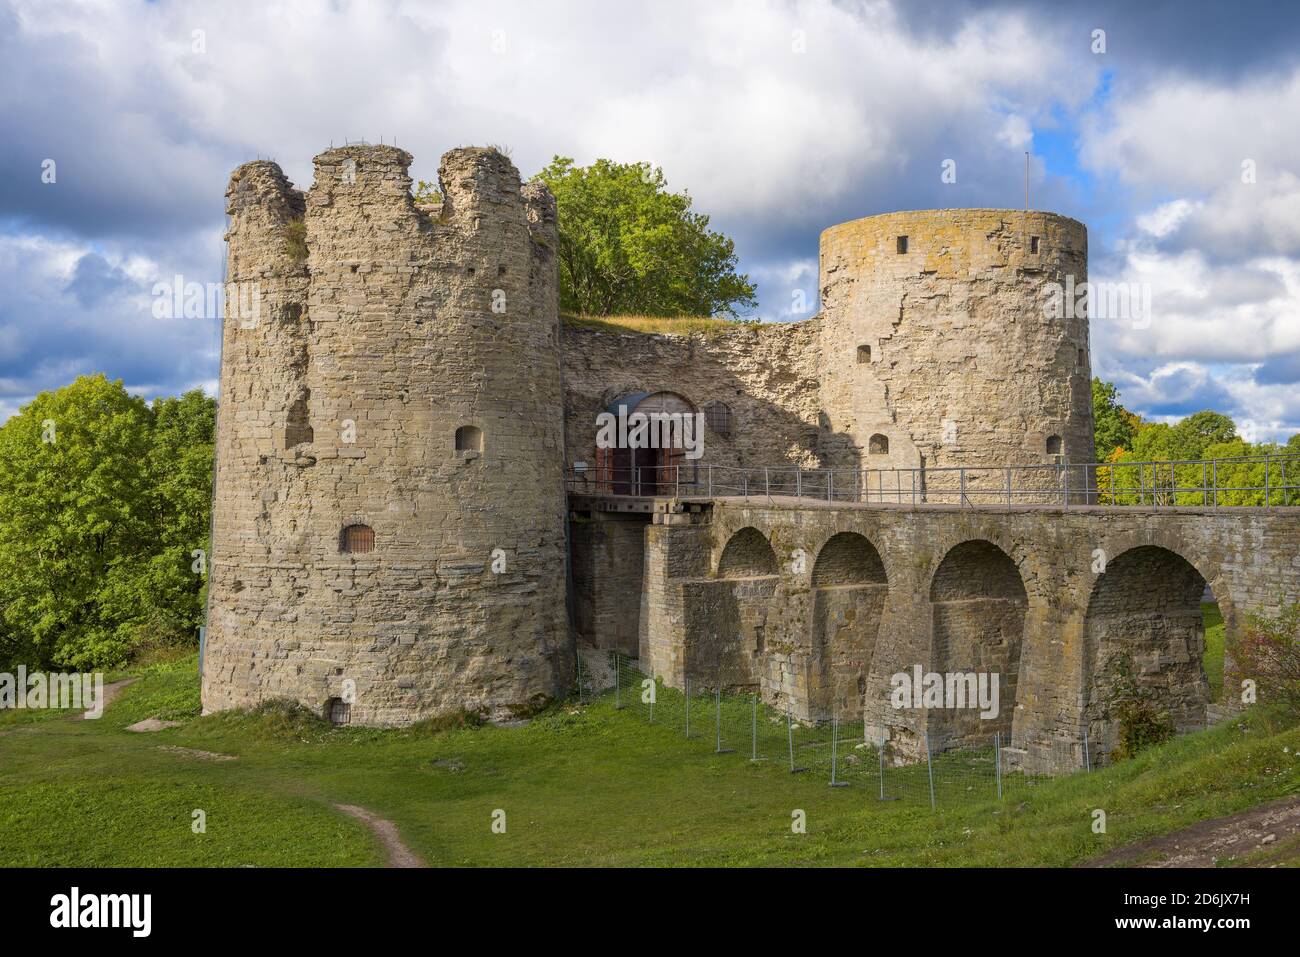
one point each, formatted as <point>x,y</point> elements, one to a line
<point>608,567</point>
<point>400,379</point>
<point>765,374</point>
<point>1011,590</point>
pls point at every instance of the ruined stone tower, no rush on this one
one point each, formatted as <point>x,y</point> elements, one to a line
<point>388,535</point>
<point>938,348</point>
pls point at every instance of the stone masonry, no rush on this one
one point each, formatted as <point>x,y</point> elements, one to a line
<point>389,527</point>
<point>399,402</point>
<point>1011,590</point>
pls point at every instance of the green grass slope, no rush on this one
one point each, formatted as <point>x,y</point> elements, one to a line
<point>580,785</point>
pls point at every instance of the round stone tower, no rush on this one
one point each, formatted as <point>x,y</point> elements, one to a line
<point>389,523</point>
<point>955,338</point>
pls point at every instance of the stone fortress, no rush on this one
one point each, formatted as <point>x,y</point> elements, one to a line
<point>393,537</point>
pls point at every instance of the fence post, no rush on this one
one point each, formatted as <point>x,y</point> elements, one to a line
<point>997,760</point>
<point>618,702</point>
<point>1008,487</point>
<point>686,685</point>
<point>753,733</point>
<point>789,725</point>
<point>929,768</point>
<point>581,698</point>
<point>798,482</point>
<point>1087,756</point>
<point>710,481</point>
<point>767,484</point>
<point>962,474</point>
<point>880,751</point>
<point>1267,491</point>
<point>717,698</point>
<point>835,744</point>
<point>679,481</point>
<point>1216,483</point>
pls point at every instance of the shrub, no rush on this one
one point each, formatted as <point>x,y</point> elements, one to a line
<point>1140,723</point>
<point>1268,653</point>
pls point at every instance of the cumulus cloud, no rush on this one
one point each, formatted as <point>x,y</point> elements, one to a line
<point>1215,238</point>
<point>780,118</point>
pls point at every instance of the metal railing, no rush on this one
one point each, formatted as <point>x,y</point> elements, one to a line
<point>1265,481</point>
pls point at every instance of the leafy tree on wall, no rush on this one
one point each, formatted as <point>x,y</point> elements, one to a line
<point>104,499</point>
<point>628,245</point>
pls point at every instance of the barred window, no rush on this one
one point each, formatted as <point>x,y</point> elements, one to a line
<point>357,539</point>
<point>717,416</point>
<point>338,711</point>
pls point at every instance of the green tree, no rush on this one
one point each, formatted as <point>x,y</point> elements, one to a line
<point>103,499</point>
<point>1200,430</point>
<point>629,246</point>
<point>1113,425</point>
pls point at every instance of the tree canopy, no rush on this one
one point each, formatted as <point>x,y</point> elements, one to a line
<point>629,246</point>
<point>104,500</point>
<point>1113,425</point>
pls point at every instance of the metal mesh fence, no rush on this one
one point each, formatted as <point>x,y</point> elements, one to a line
<point>739,726</point>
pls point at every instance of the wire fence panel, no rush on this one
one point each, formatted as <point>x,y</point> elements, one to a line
<point>739,726</point>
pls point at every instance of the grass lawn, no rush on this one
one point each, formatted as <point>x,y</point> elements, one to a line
<point>580,785</point>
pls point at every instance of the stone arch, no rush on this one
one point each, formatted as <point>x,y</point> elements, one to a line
<point>1144,615</point>
<point>849,592</point>
<point>748,554</point>
<point>728,614</point>
<point>848,558</point>
<point>978,604</point>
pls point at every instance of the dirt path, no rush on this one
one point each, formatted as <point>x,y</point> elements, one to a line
<point>111,691</point>
<point>1263,836</point>
<point>399,855</point>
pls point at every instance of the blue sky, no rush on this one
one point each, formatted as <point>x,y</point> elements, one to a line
<point>780,118</point>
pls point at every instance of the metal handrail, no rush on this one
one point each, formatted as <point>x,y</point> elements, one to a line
<point>1182,483</point>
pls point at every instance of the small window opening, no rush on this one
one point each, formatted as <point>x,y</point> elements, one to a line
<point>357,539</point>
<point>1054,445</point>
<point>1083,358</point>
<point>864,354</point>
<point>717,416</point>
<point>878,445</point>
<point>338,711</point>
<point>1033,245</point>
<point>902,244</point>
<point>469,438</point>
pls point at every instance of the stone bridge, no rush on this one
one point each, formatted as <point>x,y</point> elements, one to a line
<point>818,606</point>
